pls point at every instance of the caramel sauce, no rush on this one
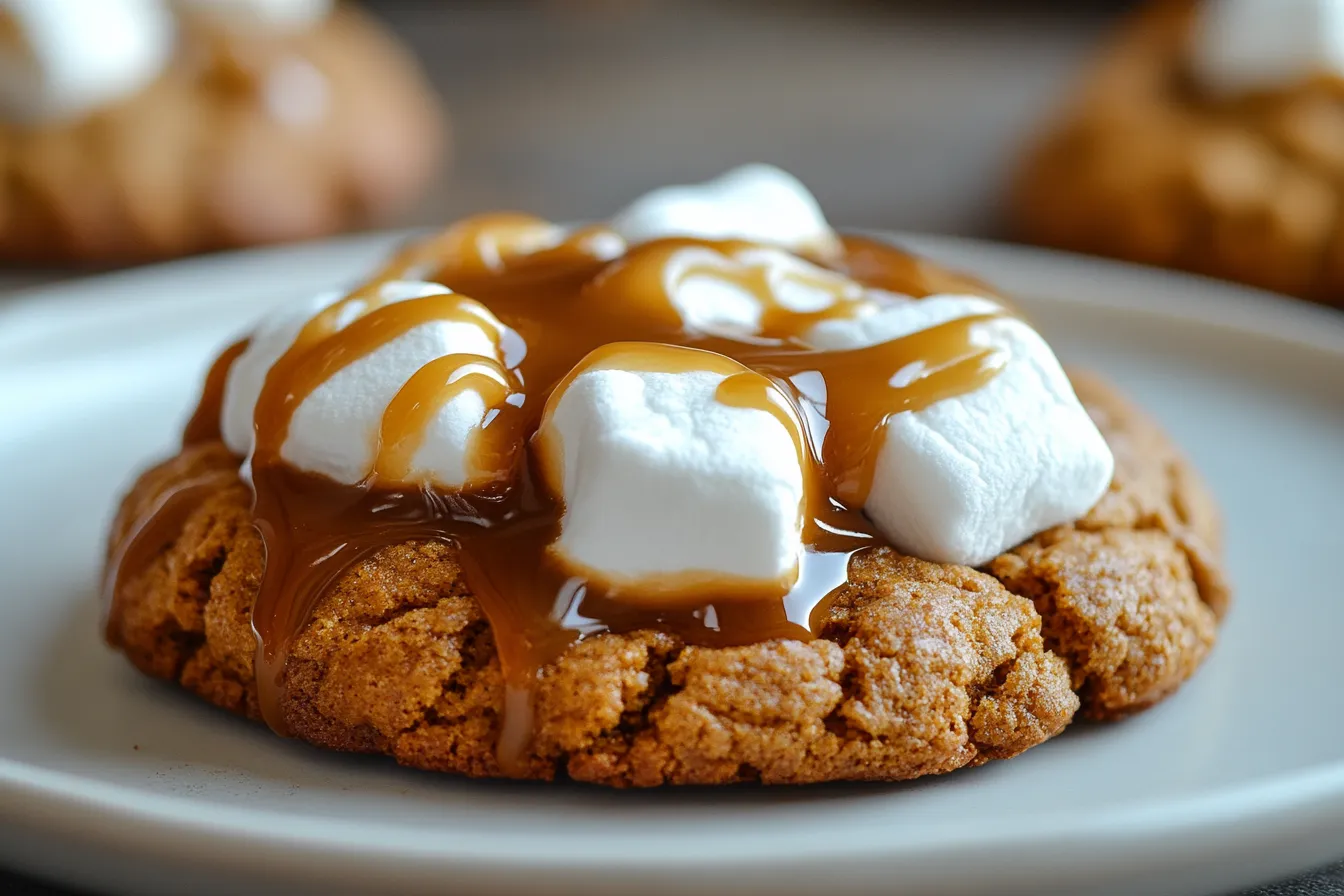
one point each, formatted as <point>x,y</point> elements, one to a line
<point>428,391</point>
<point>862,389</point>
<point>321,351</point>
<point>146,537</point>
<point>560,304</point>
<point>204,425</point>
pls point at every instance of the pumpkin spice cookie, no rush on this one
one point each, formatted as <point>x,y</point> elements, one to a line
<point>704,495</point>
<point>1208,136</point>
<point>140,129</point>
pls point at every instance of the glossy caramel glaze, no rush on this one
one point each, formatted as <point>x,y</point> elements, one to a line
<point>204,425</point>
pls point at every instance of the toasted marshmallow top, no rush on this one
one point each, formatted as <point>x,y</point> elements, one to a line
<point>60,59</point>
<point>1251,46</point>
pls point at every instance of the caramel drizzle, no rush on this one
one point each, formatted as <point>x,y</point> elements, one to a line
<point>204,425</point>
<point>755,279</point>
<point>317,356</point>
<point>559,305</point>
<point>942,361</point>
<point>428,391</point>
<point>145,537</point>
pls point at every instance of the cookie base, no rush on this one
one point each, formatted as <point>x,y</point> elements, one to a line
<point>920,669</point>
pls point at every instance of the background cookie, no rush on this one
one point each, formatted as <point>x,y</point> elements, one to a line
<point>244,139</point>
<point>1149,165</point>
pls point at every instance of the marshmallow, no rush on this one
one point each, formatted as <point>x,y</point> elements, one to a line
<point>1245,46</point>
<point>729,294</point>
<point>760,203</point>
<point>60,59</point>
<point>296,93</point>
<point>967,478</point>
<point>258,15</point>
<point>269,341</point>
<point>335,430</point>
<point>667,489</point>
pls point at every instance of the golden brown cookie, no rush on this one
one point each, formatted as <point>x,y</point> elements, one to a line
<point>1147,166</point>
<point>919,669</point>
<point>244,140</point>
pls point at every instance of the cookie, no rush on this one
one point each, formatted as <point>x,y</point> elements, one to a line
<point>1147,165</point>
<point>245,139</point>
<point>919,668</point>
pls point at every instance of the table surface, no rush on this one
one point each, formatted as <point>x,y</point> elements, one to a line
<point>899,115</point>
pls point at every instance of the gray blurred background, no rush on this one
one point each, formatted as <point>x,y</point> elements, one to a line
<point>898,114</point>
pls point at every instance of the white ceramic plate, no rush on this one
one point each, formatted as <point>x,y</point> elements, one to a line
<point>112,781</point>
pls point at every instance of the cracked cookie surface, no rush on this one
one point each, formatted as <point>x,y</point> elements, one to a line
<point>919,668</point>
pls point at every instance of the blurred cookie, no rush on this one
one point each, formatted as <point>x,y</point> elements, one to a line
<point>137,131</point>
<point>1209,136</point>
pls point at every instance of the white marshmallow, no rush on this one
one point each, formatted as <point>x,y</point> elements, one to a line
<point>659,478</point>
<point>335,430</point>
<point>60,59</point>
<point>258,15</point>
<point>705,287</point>
<point>272,338</point>
<point>760,203</point>
<point>1244,46</point>
<point>970,477</point>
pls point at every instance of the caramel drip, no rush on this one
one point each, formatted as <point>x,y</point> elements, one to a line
<point>321,351</point>
<point>561,304</point>
<point>431,388</point>
<point>480,246</point>
<point>146,537</point>
<point>925,367</point>
<point>749,389</point>
<point>778,320</point>
<point>204,425</point>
